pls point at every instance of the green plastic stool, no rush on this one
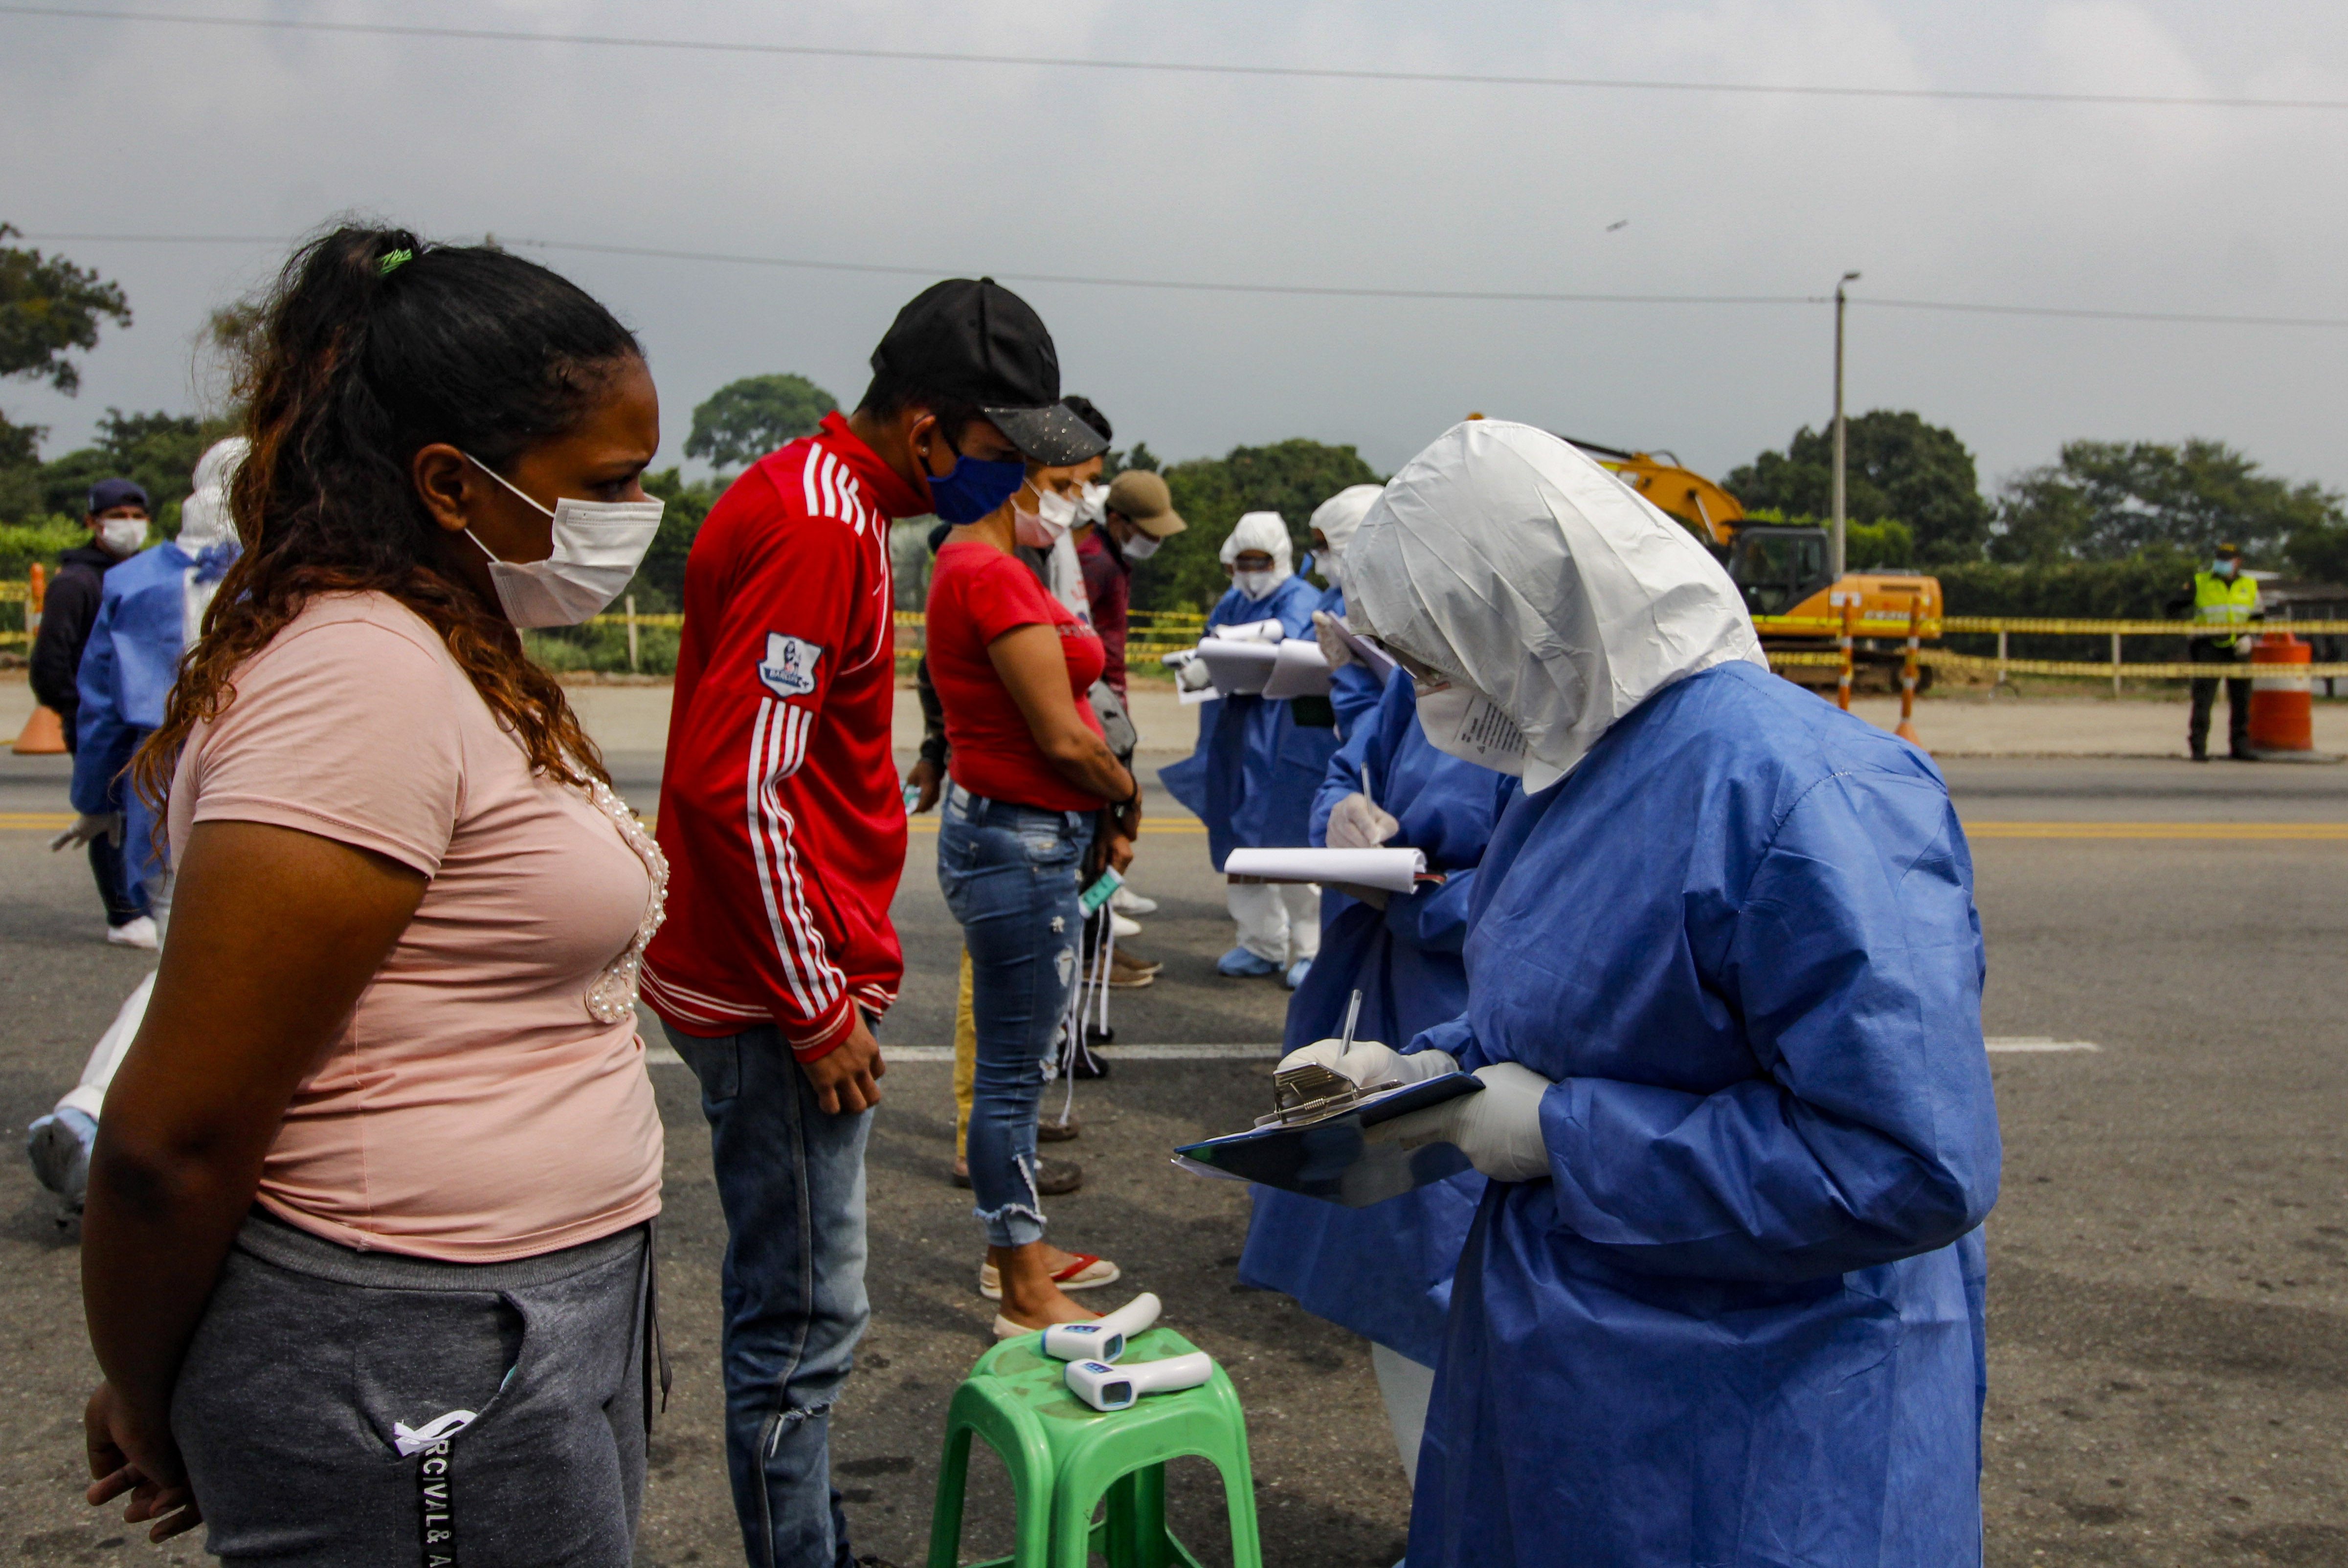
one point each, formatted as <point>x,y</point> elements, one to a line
<point>1063,1456</point>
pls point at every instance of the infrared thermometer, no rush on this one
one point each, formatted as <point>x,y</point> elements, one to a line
<point>1108,1389</point>
<point>1103,1338</point>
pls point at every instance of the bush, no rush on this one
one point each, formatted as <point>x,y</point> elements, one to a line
<point>603,649</point>
<point>39,538</point>
<point>2138,589</point>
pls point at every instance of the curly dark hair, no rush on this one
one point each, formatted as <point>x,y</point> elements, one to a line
<point>364,355</point>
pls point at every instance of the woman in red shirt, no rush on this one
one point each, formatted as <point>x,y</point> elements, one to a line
<point>1030,778</point>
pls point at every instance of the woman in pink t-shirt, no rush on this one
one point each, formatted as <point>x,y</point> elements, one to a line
<point>367,1257</point>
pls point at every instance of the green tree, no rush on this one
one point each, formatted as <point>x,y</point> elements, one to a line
<point>48,308</point>
<point>745,420</point>
<point>158,450</point>
<point>659,584</point>
<point>2112,500</point>
<point>1897,467</point>
<point>1290,478</point>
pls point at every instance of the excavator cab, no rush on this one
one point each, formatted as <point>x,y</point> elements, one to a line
<point>1778,568</point>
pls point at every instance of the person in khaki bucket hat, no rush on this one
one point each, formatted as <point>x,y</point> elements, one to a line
<point>1140,509</point>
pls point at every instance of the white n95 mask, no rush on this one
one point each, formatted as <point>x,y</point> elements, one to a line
<point>1463,722</point>
<point>1256,584</point>
<point>1140,546</point>
<point>598,545</point>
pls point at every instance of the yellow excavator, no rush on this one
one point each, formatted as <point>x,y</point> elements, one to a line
<point>1785,573</point>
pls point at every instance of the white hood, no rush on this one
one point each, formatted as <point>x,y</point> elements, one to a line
<point>1341,514</point>
<point>1506,559</point>
<point>204,516</point>
<point>1262,531</point>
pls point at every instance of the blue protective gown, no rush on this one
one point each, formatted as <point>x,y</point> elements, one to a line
<point>1353,691</point>
<point>128,668</point>
<point>1385,1272</point>
<point>1742,1325</point>
<point>1252,777</point>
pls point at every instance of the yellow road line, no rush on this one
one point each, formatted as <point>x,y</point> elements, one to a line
<point>2272,832</point>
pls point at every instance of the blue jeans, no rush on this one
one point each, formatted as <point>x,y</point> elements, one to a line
<point>790,1178</point>
<point>1009,873</point>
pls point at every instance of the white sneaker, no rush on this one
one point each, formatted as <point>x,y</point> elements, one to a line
<point>1123,927</point>
<point>1126,901</point>
<point>139,933</point>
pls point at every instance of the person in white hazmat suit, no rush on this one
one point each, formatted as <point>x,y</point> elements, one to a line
<point>1722,1303</point>
<point>1259,759</point>
<point>154,614</point>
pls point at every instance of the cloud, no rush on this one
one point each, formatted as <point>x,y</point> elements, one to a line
<point>963,167</point>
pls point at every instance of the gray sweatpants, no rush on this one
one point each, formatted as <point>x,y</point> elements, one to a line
<point>517,1389</point>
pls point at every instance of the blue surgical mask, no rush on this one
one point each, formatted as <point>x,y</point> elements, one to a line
<point>2224,568</point>
<point>974,487</point>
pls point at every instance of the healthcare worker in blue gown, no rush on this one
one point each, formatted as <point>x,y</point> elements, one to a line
<point>1259,759</point>
<point>1722,1304</point>
<point>150,613</point>
<point>1353,690</point>
<point>1385,1271</point>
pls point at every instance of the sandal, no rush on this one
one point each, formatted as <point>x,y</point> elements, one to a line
<point>1084,1272</point>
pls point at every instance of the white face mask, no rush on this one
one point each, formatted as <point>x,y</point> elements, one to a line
<point>598,545</point>
<point>1093,509</point>
<point>1040,529</point>
<point>1140,546</point>
<point>121,537</point>
<point>1256,584</point>
<point>1463,722</point>
<point>1333,568</point>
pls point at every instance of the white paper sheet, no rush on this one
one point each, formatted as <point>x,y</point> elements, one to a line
<point>1240,669</point>
<point>1301,670</point>
<point>1392,870</point>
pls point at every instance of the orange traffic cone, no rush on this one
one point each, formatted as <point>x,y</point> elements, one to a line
<point>44,735</point>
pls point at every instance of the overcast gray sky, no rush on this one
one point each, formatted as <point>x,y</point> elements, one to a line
<point>145,127</point>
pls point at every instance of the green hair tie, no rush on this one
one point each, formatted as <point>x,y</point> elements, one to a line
<point>393,262</point>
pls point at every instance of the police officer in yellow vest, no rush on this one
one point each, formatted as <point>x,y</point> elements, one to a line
<point>2224,601</point>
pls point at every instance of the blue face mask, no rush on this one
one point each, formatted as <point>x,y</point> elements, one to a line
<point>974,487</point>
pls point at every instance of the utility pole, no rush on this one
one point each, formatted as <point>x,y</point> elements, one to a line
<point>1840,442</point>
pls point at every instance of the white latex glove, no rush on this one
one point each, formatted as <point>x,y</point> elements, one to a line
<point>1500,1130</point>
<point>1194,676</point>
<point>86,828</point>
<point>1356,822</point>
<point>1370,1062</point>
<point>1332,647</point>
<point>1254,632</point>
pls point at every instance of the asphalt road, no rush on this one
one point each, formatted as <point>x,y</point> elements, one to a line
<point>2170,1261</point>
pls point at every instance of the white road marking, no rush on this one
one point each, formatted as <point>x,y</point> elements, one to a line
<point>659,1054</point>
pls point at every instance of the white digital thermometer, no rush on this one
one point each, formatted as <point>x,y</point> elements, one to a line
<point>1106,1388</point>
<point>1103,1338</point>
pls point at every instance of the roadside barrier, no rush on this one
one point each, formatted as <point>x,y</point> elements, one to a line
<point>2282,705</point>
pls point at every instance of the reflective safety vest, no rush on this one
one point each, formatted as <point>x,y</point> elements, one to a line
<point>2224,601</point>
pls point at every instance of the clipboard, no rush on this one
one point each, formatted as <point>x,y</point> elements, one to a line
<point>1320,1149</point>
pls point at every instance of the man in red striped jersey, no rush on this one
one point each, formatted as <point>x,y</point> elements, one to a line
<point>783,823</point>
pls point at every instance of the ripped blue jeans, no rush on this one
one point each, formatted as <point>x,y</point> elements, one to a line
<point>1009,873</point>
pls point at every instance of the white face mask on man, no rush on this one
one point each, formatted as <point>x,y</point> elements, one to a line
<point>598,545</point>
<point>121,537</point>
<point>1465,723</point>
<point>1256,584</point>
<point>1140,546</point>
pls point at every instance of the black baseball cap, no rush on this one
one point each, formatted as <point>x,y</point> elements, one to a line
<point>973,341</point>
<point>108,493</point>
